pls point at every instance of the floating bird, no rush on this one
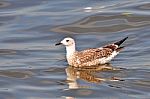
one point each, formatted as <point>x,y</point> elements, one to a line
<point>91,56</point>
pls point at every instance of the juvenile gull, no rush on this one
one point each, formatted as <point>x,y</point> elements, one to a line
<point>92,56</point>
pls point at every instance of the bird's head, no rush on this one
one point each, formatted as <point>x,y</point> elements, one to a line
<point>66,42</point>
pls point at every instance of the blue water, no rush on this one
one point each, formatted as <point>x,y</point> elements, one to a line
<point>31,67</point>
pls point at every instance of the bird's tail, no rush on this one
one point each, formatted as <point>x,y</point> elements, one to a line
<point>120,48</point>
<point>120,42</point>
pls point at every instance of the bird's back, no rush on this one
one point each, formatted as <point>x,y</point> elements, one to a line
<point>89,57</point>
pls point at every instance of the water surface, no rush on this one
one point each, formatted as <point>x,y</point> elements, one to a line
<point>31,67</point>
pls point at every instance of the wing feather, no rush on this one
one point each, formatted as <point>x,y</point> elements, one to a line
<point>93,54</point>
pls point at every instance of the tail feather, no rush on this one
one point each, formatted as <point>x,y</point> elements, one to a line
<point>120,48</point>
<point>121,41</point>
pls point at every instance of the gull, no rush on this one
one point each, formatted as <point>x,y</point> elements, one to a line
<point>91,56</point>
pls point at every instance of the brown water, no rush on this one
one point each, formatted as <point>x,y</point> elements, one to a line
<point>31,67</point>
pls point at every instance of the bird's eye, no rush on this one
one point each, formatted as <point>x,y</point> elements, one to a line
<point>67,40</point>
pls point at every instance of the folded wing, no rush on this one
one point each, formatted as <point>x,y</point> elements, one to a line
<point>93,54</point>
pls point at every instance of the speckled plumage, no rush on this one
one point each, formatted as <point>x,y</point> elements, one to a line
<point>89,57</point>
<point>92,56</point>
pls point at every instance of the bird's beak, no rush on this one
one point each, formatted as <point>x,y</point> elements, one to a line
<point>58,44</point>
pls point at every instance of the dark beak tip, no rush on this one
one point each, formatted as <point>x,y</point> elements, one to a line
<point>58,44</point>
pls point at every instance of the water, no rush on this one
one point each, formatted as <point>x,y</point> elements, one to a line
<point>31,67</point>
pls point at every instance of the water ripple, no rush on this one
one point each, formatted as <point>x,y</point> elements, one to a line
<point>15,74</point>
<point>32,67</point>
<point>105,24</point>
<point>4,4</point>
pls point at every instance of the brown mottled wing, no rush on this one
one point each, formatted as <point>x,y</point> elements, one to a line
<point>93,54</point>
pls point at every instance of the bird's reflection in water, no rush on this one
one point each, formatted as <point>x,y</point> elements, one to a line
<point>87,74</point>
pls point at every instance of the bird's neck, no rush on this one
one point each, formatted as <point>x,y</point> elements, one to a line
<point>70,50</point>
